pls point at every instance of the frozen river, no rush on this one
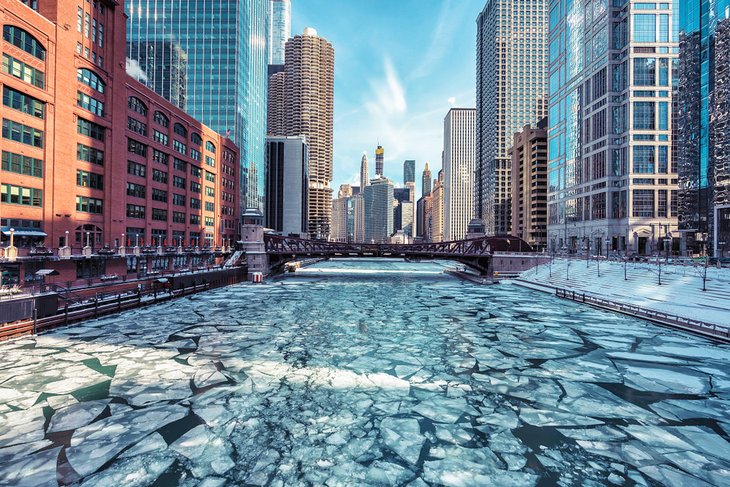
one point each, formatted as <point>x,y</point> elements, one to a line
<point>365,373</point>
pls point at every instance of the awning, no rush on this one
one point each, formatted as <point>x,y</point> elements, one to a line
<point>24,232</point>
<point>46,272</point>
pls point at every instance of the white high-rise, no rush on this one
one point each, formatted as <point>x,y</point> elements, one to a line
<point>459,161</point>
<point>280,30</point>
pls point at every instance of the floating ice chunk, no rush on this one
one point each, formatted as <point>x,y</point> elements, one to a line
<point>444,410</point>
<point>213,415</point>
<point>705,440</point>
<point>386,473</point>
<point>139,471</point>
<point>38,470</point>
<point>506,442</point>
<point>657,437</point>
<point>76,415</point>
<point>192,443</point>
<point>542,417</point>
<point>482,456</point>
<point>387,381</point>
<point>153,443</point>
<point>665,380</point>
<point>404,371</point>
<point>514,462</point>
<point>666,475</point>
<point>27,426</point>
<point>504,419</point>
<point>454,434</point>
<point>24,449</point>
<point>459,473</point>
<point>95,444</point>
<point>207,377</point>
<point>601,433</point>
<point>403,436</point>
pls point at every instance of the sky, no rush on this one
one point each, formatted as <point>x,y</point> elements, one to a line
<point>400,65</point>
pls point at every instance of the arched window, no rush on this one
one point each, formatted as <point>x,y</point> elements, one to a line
<point>137,105</point>
<point>209,146</point>
<point>180,130</point>
<point>23,40</point>
<point>94,235</point>
<point>91,79</point>
<point>161,119</point>
<point>196,139</point>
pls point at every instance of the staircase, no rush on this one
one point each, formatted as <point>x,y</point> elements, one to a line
<point>234,258</point>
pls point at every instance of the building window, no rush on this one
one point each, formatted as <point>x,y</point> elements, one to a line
<point>643,203</point>
<point>179,164</point>
<point>159,137</point>
<point>194,187</point>
<point>159,176</point>
<point>644,28</point>
<point>195,171</point>
<point>136,211</point>
<point>24,103</point>
<point>23,71</point>
<point>136,169</point>
<point>90,268</point>
<point>179,146</point>
<point>178,217</point>
<point>644,71</point>
<point>210,161</point>
<point>643,159</point>
<point>209,191</point>
<point>89,205</point>
<point>209,222</point>
<point>136,105</point>
<point>195,203</point>
<point>159,156</point>
<point>136,126</point>
<point>89,154</point>
<point>22,133</point>
<point>195,219</point>
<point>644,117</point>
<point>178,182</point>
<point>89,179</point>
<point>21,164</point>
<point>159,195</point>
<point>161,119</point>
<point>23,40</point>
<point>134,147</point>
<point>195,155</point>
<point>209,146</point>
<point>90,103</point>
<point>159,214</point>
<point>18,195</point>
<point>90,79</point>
<point>209,176</point>
<point>178,199</point>
<point>90,129</point>
<point>136,190</point>
<point>209,206</point>
<point>180,130</point>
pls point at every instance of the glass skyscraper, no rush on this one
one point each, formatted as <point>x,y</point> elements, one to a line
<point>703,142</point>
<point>612,179</point>
<point>280,30</point>
<point>225,46</point>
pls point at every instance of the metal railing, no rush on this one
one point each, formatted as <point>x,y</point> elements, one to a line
<point>688,324</point>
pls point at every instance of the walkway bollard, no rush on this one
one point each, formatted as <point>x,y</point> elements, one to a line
<point>35,319</point>
<point>65,312</point>
<point>119,302</point>
<point>96,307</point>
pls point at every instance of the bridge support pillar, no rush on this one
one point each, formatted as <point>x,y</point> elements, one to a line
<point>252,236</point>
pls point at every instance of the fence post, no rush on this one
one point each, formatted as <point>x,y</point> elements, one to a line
<point>119,302</point>
<point>35,318</point>
<point>96,307</point>
<point>66,315</point>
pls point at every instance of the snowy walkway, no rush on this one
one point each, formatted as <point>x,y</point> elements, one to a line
<point>680,293</point>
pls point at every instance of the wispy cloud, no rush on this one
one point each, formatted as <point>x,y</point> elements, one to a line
<point>449,19</point>
<point>388,97</point>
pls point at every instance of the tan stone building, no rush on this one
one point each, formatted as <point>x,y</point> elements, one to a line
<point>529,184</point>
<point>437,209</point>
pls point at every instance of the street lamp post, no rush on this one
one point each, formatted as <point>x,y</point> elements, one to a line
<point>667,243</point>
<point>65,241</point>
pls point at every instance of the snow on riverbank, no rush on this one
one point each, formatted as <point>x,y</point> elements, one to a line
<point>680,293</point>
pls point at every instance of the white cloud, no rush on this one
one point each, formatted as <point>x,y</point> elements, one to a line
<point>388,95</point>
<point>452,101</point>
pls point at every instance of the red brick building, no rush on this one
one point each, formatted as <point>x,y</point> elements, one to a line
<point>90,153</point>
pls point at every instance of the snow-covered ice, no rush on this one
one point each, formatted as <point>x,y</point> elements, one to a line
<point>341,375</point>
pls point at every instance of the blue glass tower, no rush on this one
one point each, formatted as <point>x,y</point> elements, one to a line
<point>224,47</point>
<point>704,198</point>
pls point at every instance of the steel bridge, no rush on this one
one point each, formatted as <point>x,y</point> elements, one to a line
<point>475,253</point>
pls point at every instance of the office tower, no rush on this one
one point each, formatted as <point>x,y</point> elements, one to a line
<point>287,185</point>
<point>378,210</point>
<point>108,169</point>
<point>512,86</point>
<point>364,181</point>
<point>459,152</point>
<point>529,184</point>
<point>426,181</point>
<point>437,208</point>
<point>409,171</point>
<point>161,66</point>
<point>231,98</point>
<point>403,209</point>
<point>611,174</point>
<point>344,214</point>
<point>379,160</point>
<point>276,104</point>
<point>279,30</point>
<point>702,140</point>
<point>309,109</point>
<point>423,218</point>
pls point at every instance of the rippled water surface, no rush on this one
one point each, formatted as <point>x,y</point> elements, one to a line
<point>365,373</point>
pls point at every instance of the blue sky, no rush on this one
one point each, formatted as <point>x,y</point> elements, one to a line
<point>399,66</point>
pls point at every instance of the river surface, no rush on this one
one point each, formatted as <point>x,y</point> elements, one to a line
<point>365,373</point>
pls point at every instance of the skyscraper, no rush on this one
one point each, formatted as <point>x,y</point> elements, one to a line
<point>703,142</point>
<point>426,182</point>
<point>378,214</point>
<point>364,181</point>
<point>161,66</point>
<point>379,159</point>
<point>309,100</point>
<point>437,208</point>
<point>409,171</point>
<point>511,92</point>
<point>611,174</point>
<point>459,151</point>
<point>231,99</point>
<point>287,185</point>
<point>279,30</point>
